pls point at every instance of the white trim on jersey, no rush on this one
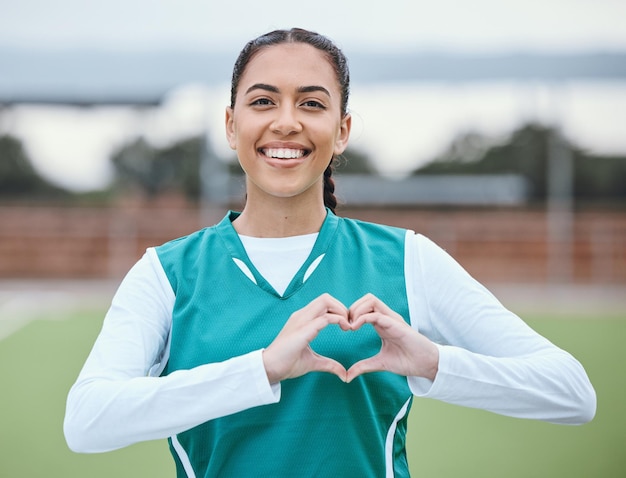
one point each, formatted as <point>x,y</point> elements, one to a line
<point>391,433</point>
<point>183,457</point>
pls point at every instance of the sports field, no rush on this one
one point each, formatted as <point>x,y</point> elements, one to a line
<point>39,362</point>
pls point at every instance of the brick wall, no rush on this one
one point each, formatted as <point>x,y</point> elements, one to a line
<point>502,245</point>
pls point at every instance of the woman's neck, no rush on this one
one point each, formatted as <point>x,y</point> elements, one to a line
<point>280,218</point>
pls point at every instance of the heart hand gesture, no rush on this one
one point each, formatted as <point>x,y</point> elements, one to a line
<point>404,351</point>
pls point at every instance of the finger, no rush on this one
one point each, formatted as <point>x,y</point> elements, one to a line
<point>330,304</point>
<point>323,304</point>
<point>341,320</point>
<point>366,304</point>
<point>316,324</point>
<point>375,318</point>
<point>374,311</point>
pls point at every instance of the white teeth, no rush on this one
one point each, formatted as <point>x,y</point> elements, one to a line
<point>284,153</point>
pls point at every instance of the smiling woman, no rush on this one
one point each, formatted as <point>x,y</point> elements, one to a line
<point>286,129</point>
<point>287,327</point>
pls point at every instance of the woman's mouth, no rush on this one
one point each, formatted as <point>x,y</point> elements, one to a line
<point>284,153</point>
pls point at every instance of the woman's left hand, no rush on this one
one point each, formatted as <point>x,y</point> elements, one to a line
<point>404,350</point>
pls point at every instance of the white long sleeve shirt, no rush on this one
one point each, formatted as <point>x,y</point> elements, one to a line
<point>489,358</point>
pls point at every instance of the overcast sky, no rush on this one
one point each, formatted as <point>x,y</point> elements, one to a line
<point>476,26</point>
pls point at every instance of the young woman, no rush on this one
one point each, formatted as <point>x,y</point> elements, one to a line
<point>287,341</point>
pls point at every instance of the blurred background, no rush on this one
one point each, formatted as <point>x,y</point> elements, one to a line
<point>498,129</point>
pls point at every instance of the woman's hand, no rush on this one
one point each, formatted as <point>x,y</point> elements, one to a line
<point>404,350</point>
<point>290,355</point>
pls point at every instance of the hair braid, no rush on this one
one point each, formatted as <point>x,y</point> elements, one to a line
<point>330,201</point>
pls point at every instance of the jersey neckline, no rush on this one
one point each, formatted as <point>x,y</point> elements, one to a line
<point>237,251</point>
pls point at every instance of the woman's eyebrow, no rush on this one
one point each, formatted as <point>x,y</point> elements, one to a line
<point>313,88</point>
<point>263,86</point>
<point>273,89</point>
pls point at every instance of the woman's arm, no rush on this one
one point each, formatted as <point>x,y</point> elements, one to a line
<point>488,357</point>
<point>115,402</point>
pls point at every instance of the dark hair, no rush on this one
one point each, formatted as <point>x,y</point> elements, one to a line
<point>335,57</point>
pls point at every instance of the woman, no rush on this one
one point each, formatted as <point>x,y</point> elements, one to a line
<point>286,341</point>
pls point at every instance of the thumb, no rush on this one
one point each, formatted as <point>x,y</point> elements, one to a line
<point>325,364</point>
<point>371,364</point>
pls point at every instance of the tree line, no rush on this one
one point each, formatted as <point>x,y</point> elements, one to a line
<point>595,178</point>
<point>150,171</point>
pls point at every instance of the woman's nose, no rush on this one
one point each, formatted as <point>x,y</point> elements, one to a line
<point>286,121</point>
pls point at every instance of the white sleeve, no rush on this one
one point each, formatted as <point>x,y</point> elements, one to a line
<point>115,403</point>
<point>489,358</point>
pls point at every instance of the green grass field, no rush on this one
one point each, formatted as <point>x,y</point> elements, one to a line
<point>39,362</point>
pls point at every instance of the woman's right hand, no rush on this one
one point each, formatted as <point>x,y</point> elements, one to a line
<point>290,354</point>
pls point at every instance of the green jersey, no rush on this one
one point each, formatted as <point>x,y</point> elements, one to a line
<point>321,427</point>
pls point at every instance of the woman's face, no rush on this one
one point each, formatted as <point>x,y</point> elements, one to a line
<point>286,124</point>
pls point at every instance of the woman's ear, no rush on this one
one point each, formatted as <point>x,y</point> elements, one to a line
<point>344,134</point>
<point>231,135</point>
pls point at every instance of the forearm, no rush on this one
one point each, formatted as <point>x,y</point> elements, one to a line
<point>489,358</point>
<point>104,413</point>
<point>549,386</point>
<point>115,402</point>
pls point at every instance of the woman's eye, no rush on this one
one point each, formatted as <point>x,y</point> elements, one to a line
<point>262,102</point>
<point>314,104</point>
